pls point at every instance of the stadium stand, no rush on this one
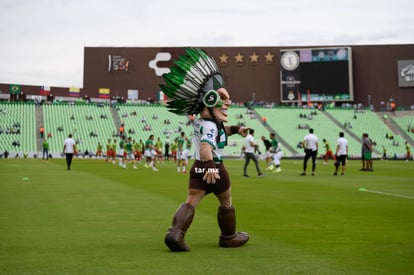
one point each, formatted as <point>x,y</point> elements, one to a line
<point>366,121</point>
<point>144,120</point>
<point>93,123</point>
<point>293,124</point>
<point>17,128</point>
<point>164,124</point>
<point>405,120</point>
<point>88,123</point>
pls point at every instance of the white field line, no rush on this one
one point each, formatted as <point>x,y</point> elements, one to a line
<point>389,194</point>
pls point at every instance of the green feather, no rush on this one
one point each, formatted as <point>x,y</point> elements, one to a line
<point>186,79</point>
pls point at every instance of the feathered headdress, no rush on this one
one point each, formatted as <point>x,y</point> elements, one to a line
<point>193,75</point>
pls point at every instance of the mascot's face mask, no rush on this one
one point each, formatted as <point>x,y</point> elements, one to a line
<point>220,110</point>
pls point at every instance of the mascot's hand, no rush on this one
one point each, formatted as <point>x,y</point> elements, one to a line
<point>243,131</point>
<point>211,173</point>
<point>211,177</point>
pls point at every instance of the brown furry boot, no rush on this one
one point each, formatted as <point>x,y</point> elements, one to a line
<point>181,221</point>
<point>226,218</point>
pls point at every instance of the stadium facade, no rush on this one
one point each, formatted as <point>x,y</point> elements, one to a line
<point>378,75</point>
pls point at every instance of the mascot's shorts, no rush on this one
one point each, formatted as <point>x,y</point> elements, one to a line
<point>197,182</point>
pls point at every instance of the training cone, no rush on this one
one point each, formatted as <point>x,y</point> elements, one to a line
<point>362,189</point>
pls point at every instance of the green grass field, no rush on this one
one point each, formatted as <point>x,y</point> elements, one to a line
<point>101,219</point>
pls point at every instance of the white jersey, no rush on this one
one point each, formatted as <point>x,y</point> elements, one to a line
<point>311,142</point>
<point>342,146</point>
<point>69,146</point>
<point>207,131</point>
<point>248,143</point>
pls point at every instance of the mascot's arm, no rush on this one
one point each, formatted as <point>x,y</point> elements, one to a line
<point>231,130</point>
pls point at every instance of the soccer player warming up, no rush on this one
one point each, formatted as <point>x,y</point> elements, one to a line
<point>197,87</point>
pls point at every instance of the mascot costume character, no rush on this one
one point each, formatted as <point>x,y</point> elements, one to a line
<point>196,87</point>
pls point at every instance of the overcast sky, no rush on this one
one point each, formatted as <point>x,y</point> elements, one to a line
<point>42,41</point>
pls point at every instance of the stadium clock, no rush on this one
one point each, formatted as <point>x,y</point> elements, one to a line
<point>290,61</point>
